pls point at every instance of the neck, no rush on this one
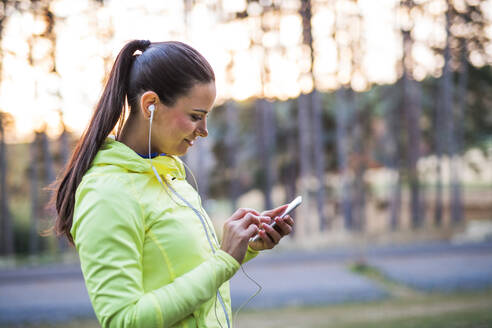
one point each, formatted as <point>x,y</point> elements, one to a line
<point>135,135</point>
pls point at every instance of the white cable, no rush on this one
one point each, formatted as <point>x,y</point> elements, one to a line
<point>211,230</point>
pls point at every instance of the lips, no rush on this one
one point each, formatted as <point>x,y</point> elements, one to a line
<point>189,142</point>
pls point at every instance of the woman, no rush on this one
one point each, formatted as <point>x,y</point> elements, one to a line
<point>148,250</point>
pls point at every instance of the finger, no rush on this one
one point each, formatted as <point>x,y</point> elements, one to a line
<point>272,233</point>
<point>289,220</point>
<point>249,219</point>
<point>282,226</point>
<point>275,212</point>
<point>252,230</point>
<point>267,240</point>
<point>241,212</point>
<point>266,219</point>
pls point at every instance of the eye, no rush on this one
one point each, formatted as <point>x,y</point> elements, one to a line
<point>195,117</point>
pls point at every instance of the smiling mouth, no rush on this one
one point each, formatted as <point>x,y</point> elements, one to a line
<point>190,142</point>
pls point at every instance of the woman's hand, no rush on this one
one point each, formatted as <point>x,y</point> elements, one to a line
<point>269,237</point>
<point>238,229</point>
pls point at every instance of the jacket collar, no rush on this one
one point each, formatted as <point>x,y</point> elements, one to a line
<point>117,153</point>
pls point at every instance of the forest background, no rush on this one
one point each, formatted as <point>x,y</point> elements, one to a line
<point>379,113</point>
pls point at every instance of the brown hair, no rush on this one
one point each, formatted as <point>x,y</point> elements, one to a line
<point>170,69</point>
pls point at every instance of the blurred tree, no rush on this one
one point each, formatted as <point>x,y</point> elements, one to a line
<point>6,226</point>
<point>232,131</point>
<point>411,103</point>
<point>350,139</point>
<point>269,22</point>
<point>343,112</point>
<point>393,160</point>
<point>34,183</point>
<point>465,41</point>
<point>266,147</point>
<point>64,141</point>
<point>232,143</point>
<point>288,134</point>
<point>468,37</point>
<point>64,149</point>
<point>47,163</point>
<point>42,171</point>
<point>315,126</point>
<point>444,119</point>
<point>304,158</point>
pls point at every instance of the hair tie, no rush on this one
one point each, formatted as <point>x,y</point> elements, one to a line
<point>143,45</point>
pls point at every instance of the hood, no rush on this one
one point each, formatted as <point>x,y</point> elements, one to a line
<point>116,153</point>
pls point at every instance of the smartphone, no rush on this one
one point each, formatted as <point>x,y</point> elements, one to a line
<point>292,206</point>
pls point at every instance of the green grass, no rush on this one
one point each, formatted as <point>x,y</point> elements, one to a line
<point>418,310</point>
<point>465,319</point>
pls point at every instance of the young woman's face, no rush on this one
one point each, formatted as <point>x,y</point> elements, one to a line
<point>176,127</point>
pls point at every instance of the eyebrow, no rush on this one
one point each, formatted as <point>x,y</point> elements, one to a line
<point>201,111</point>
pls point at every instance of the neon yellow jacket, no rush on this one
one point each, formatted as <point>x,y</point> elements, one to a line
<point>145,255</point>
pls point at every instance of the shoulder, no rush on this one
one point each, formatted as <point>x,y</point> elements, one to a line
<point>107,195</point>
<point>106,184</point>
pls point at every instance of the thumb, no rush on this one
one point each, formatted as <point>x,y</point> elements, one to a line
<point>276,211</point>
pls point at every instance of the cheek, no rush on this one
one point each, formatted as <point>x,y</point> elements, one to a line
<point>183,126</point>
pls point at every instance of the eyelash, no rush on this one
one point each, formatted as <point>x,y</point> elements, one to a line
<point>195,118</point>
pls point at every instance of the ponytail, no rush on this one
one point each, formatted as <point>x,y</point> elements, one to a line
<point>109,110</point>
<point>169,68</point>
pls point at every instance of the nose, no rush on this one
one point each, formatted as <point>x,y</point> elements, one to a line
<point>202,129</point>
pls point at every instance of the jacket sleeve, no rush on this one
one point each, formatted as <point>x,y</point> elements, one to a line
<point>250,254</point>
<point>109,232</point>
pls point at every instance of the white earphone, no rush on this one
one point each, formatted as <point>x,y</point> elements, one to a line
<point>152,109</point>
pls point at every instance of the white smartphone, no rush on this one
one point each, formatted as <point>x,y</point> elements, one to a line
<point>292,206</point>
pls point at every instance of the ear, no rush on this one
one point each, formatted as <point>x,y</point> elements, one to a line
<point>146,99</point>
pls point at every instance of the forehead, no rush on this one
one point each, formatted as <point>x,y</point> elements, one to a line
<point>201,96</point>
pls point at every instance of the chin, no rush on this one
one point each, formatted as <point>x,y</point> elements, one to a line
<point>180,153</point>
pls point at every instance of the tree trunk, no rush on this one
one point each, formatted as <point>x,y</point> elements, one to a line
<point>319,156</point>
<point>392,150</point>
<point>291,169</point>
<point>456,160</point>
<point>343,112</point>
<point>49,171</point>
<point>33,231</point>
<point>411,108</point>
<point>232,144</point>
<point>266,148</point>
<point>64,143</point>
<point>446,142</point>
<point>7,233</point>
<point>304,129</point>
<point>439,131</point>
<point>358,151</point>
<point>64,155</point>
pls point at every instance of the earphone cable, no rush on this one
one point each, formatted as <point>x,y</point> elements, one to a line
<point>236,315</point>
<point>211,230</point>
